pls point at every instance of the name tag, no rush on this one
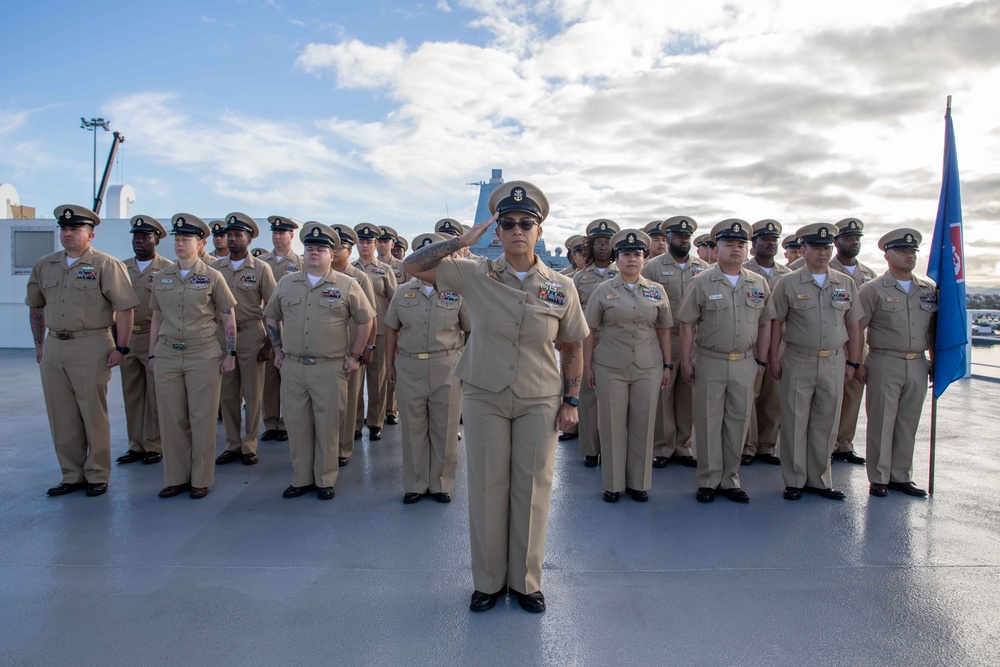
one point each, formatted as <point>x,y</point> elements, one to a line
<point>803,297</point>
<point>410,295</point>
<point>667,273</point>
<point>714,297</point>
<point>892,299</point>
<point>613,295</point>
<point>167,281</point>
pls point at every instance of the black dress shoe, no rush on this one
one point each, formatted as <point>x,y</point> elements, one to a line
<point>198,492</point>
<point>249,459</point>
<point>325,493</point>
<point>342,461</point>
<point>357,435</point>
<point>533,602</point>
<point>567,436</point>
<point>591,461</point>
<point>831,493</point>
<point>131,457</point>
<point>228,456</point>
<point>768,458</point>
<point>637,496</point>
<point>485,601</point>
<point>97,489</point>
<point>736,495</point>
<point>879,490</point>
<point>269,434</point>
<point>282,435</point>
<point>849,457</point>
<point>660,461</point>
<point>152,457</point>
<point>65,488</point>
<point>441,497</point>
<point>792,493</point>
<point>611,496</point>
<point>686,461</point>
<point>746,460</point>
<point>909,488</point>
<point>410,498</point>
<point>392,420</point>
<point>296,491</point>
<point>374,433</point>
<point>705,494</point>
<point>176,490</point>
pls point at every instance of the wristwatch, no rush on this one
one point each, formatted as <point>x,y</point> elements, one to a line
<point>572,400</point>
<point>369,347</point>
<point>669,367</point>
<point>853,364</point>
<point>762,364</point>
<point>122,350</point>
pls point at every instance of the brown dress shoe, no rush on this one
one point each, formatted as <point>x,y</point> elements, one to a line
<point>880,490</point>
<point>199,491</point>
<point>171,491</point>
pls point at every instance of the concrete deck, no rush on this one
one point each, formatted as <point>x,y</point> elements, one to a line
<point>245,577</point>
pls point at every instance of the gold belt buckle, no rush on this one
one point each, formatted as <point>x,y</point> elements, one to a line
<point>823,353</point>
<point>309,361</point>
<point>910,356</point>
<point>64,335</point>
<point>136,327</point>
<point>734,356</point>
<point>178,346</point>
<point>423,355</point>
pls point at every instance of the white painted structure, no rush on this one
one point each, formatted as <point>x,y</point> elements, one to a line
<point>118,202</point>
<point>8,199</point>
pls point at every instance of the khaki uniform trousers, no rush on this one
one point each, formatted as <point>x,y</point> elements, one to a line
<point>352,415</point>
<point>626,408</point>
<point>765,417</point>
<point>850,408</point>
<point>271,399</point>
<point>187,390</point>
<point>139,391</point>
<point>896,392</point>
<point>431,403</point>
<point>377,389</point>
<point>811,389</point>
<point>244,386</point>
<point>672,428</point>
<point>390,400</point>
<point>313,397</point>
<point>75,378</point>
<point>723,402</point>
<point>588,432</point>
<point>510,451</point>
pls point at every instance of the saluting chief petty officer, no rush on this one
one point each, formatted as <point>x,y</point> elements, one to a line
<point>726,321</point>
<point>283,261</point>
<point>77,293</point>
<point>900,310</point>
<point>138,384</point>
<point>191,302</point>
<point>307,323</point>
<point>424,341</point>
<point>761,443</point>
<point>252,283</point>
<point>820,312</point>
<point>848,245</point>
<point>513,399</point>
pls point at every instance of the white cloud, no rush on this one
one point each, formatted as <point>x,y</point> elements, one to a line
<point>358,65</point>
<point>442,5</point>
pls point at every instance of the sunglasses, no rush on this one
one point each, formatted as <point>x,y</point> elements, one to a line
<point>525,225</point>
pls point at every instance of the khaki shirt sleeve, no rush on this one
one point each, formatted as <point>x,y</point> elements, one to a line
<point>664,318</point>
<point>595,309</point>
<point>117,287</point>
<point>779,304</point>
<point>572,327</point>
<point>390,283</point>
<point>768,313</point>
<point>868,300</point>
<point>222,296</point>
<point>392,314</point>
<point>267,282</point>
<point>857,312</point>
<point>361,310</point>
<point>691,305</point>
<point>35,297</point>
<point>452,273</point>
<point>273,307</point>
<point>153,303</point>
<point>463,318</point>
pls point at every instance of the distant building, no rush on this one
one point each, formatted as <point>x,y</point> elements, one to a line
<point>489,245</point>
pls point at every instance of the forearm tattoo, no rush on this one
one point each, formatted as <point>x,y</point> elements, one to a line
<point>230,338</point>
<point>37,318</point>
<point>274,333</point>
<point>569,353</point>
<point>430,256</point>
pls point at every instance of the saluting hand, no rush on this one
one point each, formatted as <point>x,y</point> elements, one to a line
<point>469,238</point>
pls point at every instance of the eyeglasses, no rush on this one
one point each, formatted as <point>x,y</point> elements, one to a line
<point>525,225</point>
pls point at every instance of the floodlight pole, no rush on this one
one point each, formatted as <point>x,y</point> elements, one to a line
<point>91,126</point>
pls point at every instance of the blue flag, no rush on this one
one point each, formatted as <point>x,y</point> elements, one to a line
<point>946,267</point>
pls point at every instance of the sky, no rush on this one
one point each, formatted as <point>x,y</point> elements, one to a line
<point>635,110</point>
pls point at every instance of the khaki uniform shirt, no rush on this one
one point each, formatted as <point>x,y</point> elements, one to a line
<point>514,324</point>
<point>815,317</point>
<point>314,319</point>
<point>897,320</point>
<point>384,284</point>
<point>190,305</point>
<point>797,264</point>
<point>434,323</point>
<point>289,264</point>
<point>666,271</point>
<point>777,271</point>
<point>588,278</point>
<point>397,269</point>
<point>628,320</point>
<point>81,297</point>
<point>252,285</point>
<point>862,273</point>
<point>362,279</point>
<point>142,283</point>
<point>727,317</point>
